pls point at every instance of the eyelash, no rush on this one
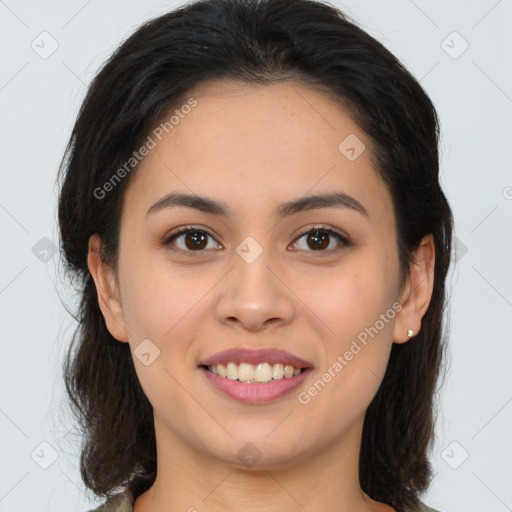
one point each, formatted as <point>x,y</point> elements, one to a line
<point>346,242</point>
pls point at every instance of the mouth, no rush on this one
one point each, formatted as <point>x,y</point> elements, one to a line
<point>250,373</point>
<point>255,376</point>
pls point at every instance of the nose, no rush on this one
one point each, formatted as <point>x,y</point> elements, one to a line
<point>254,295</point>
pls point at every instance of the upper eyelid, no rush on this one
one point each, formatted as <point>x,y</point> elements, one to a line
<point>184,229</point>
<point>345,239</point>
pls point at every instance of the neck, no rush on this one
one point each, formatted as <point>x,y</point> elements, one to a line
<point>192,481</point>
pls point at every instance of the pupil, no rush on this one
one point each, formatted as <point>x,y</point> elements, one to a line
<point>316,237</point>
<point>320,241</point>
<point>197,238</point>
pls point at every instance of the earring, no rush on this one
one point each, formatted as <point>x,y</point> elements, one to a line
<point>410,332</point>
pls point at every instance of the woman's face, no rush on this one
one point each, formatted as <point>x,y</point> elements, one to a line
<point>251,279</point>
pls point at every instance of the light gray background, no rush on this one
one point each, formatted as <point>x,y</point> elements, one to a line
<point>39,100</point>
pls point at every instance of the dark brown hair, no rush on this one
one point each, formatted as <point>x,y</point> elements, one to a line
<point>257,41</point>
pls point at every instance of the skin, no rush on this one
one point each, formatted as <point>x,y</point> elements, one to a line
<point>254,147</point>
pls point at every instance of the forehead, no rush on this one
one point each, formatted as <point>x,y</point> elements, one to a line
<point>249,143</point>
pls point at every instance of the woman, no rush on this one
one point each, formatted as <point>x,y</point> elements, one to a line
<point>250,200</point>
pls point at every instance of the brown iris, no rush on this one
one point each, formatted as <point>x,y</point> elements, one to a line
<point>197,239</point>
<point>320,240</point>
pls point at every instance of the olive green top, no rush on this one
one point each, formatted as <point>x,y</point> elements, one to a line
<point>123,502</point>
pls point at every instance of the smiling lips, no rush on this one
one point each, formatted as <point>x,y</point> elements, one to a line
<point>262,372</point>
<point>256,356</point>
<point>255,376</point>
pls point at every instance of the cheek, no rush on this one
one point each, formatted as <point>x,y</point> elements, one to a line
<point>355,364</point>
<point>350,299</point>
<point>160,307</point>
<point>158,301</point>
<point>357,306</point>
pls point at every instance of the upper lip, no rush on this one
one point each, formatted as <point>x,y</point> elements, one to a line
<point>256,356</point>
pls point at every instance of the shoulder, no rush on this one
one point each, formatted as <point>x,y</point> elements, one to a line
<point>423,508</point>
<point>122,502</point>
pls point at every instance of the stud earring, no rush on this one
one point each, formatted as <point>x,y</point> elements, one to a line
<point>410,332</point>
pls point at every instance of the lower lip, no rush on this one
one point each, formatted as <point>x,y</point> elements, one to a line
<point>256,392</point>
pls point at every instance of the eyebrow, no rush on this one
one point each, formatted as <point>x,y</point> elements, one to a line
<point>207,205</point>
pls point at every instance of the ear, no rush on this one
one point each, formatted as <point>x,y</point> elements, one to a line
<point>415,298</point>
<point>108,290</point>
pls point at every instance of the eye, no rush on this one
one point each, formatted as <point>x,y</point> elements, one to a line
<point>193,239</point>
<point>190,239</point>
<point>320,238</point>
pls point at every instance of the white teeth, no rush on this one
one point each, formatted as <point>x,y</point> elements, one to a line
<point>288,371</point>
<point>232,371</point>
<point>263,372</point>
<point>278,371</point>
<point>245,371</point>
